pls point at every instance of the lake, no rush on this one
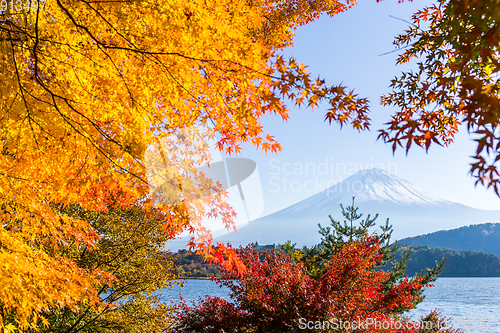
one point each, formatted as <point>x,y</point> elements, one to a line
<point>472,303</point>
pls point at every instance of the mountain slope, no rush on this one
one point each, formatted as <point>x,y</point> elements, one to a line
<point>464,263</point>
<point>478,237</point>
<point>411,211</point>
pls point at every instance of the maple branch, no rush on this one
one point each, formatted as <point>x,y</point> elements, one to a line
<point>67,120</point>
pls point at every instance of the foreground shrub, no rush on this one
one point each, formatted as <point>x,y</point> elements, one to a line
<point>275,294</point>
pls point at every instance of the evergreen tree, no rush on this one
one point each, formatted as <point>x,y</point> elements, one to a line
<point>353,229</point>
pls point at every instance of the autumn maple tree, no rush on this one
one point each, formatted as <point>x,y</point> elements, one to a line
<point>92,91</point>
<point>275,294</point>
<point>456,82</point>
<point>130,247</point>
<point>323,288</point>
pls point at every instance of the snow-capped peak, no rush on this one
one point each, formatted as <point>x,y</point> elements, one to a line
<point>369,185</point>
<point>379,185</point>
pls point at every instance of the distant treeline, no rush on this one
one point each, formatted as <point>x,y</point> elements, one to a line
<point>478,237</point>
<point>192,265</point>
<point>463,263</point>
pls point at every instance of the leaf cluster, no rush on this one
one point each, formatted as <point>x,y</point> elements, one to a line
<point>456,82</point>
<point>130,250</point>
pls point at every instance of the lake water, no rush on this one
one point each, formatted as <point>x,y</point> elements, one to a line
<point>472,303</point>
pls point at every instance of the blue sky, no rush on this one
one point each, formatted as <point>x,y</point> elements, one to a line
<point>346,49</point>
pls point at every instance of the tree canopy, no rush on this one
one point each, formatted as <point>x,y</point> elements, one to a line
<point>130,248</point>
<point>89,89</point>
<point>456,82</point>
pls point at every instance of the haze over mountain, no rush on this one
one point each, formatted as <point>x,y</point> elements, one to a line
<point>411,211</point>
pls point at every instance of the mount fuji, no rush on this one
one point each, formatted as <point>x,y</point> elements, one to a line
<point>411,211</point>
